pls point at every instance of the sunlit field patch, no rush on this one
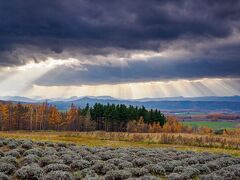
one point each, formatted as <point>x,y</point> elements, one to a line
<point>193,142</point>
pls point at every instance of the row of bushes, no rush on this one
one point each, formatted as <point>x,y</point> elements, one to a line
<point>47,160</point>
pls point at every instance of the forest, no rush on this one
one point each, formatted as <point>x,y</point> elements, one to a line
<point>110,117</point>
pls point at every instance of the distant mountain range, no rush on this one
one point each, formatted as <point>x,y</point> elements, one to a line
<point>206,98</point>
<point>39,99</point>
<point>17,98</point>
<point>74,98</point>
<point>211,103</point>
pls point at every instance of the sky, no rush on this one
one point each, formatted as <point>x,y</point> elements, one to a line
<point>120,48</point>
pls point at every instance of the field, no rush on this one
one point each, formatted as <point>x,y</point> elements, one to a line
<point>194,142</point>
<point>213,125</point>
<point>27,159</point>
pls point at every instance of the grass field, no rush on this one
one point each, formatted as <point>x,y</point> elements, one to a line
<point>213,125</point>
<point>148,140</point>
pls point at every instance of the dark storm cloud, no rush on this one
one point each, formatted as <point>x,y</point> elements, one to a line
<point>35,30</point>
<point>56,26</point>
<point>140,71</point>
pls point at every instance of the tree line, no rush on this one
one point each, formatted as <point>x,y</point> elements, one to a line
<point>45,116</point>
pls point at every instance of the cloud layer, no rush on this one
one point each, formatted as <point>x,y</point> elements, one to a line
<point>122,41</point>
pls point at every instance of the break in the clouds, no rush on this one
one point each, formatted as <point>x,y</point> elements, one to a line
<point>80,43</point>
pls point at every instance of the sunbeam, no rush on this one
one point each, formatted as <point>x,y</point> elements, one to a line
<point>19,79</point>
<point>186,88</point>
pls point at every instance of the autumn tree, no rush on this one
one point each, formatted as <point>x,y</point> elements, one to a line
<point>72,116</point>
<point>172,125</point>
<point>155,127</point>
<point>54,118</point>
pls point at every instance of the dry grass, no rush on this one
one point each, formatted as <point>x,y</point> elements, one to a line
<point>194,142</point>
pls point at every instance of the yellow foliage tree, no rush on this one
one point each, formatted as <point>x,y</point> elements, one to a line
<point>54,118</point>
<point>172,125</point>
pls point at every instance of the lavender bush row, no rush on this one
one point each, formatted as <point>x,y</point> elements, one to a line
<point>25,159</point>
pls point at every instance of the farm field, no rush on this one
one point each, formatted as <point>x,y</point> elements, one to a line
<point>213,125</point>
<point>25,159</point>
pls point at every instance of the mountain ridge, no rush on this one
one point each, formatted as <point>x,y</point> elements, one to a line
<point>235,98</point>
<point>213,103</point>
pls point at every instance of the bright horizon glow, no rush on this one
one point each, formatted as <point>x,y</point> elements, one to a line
<point>19,81</point>
<point>185,88</point>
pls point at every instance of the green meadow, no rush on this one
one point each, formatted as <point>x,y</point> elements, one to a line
<point>213,125</point>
